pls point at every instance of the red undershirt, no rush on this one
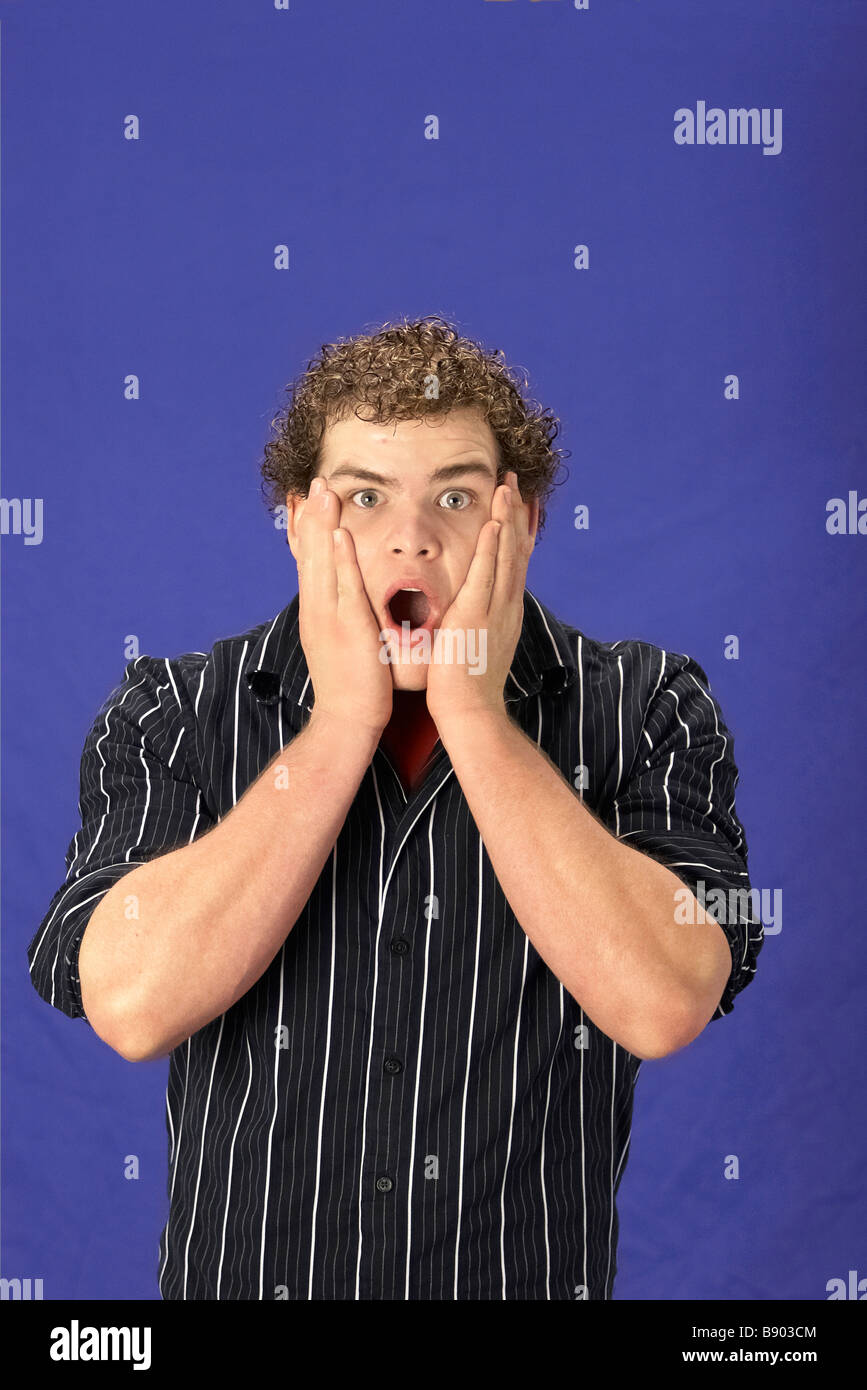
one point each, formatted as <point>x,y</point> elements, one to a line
<point>409,735</point>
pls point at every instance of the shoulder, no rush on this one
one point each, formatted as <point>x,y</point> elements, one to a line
<point>633,669</point>
<point>176,683</point>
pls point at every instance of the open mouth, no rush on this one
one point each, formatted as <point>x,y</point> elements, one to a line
<point>409,606</point>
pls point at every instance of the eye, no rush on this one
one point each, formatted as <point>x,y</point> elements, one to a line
<point>457,492</point>
<point>365,492</point>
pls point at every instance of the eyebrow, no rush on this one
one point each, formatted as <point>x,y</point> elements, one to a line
<point>445,474</point>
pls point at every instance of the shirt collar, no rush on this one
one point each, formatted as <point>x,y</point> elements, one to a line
<point>544,659</point>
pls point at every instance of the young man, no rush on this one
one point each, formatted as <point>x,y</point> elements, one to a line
<point>397,879</point>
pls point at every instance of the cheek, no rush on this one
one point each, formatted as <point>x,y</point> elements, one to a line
<point>366,549</point>
<point>460,531</point>
<point>460,550</point>
<point>471,532</point>
<point>357,526</point>
<point>360,530</point>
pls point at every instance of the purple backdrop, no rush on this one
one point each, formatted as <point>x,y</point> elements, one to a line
<point>307,127</point>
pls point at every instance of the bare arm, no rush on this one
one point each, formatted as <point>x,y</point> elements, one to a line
<point>602,915</point>
<point>212,915</point>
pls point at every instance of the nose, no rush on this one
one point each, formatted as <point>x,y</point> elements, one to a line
<point>413,533</point>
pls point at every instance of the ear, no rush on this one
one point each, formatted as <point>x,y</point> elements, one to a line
<point>295,502</point>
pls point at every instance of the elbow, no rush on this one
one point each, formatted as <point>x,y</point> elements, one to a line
<point>651,1049</point>
<point>119,1037</point>
<point>112,1016</point>
<point>101,1016</point>
<point>680,1020</point>
<point>136,1044</point>
<point>118,1030</point>
<point>673,1030</point>
<point>147,1053</point>
<point>681,1030</point>
<point>133,1047</point>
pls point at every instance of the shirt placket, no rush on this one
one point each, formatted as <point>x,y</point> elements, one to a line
<point>393,1037</point>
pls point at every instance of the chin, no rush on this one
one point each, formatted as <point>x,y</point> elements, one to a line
<point>406,676</point>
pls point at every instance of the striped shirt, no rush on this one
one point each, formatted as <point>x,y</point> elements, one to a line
<point>407,1104</point>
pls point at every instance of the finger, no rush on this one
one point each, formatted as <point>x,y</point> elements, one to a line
<point>524,541</point>
<point>475,593</point>
<point>527,540</point>
<point>522,519</point>
<point>350,585</point>
<point>316,567</point>
<point>506,574</point>
<point>504,509</point>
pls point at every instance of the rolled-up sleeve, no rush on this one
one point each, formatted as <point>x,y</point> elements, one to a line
<point>138,799</point>
<point>677,805</point>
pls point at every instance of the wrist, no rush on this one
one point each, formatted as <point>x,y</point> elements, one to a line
<point>345,729</point>
<point>471,723</point>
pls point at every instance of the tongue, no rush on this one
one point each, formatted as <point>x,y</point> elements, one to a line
<point>409,607</point>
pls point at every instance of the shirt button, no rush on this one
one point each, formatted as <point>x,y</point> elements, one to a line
<point>393,1064</point>
<point>384,1184</point>
<point>400,946</point>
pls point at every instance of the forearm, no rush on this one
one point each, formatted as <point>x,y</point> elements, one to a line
<point>599,913</point>
<point>208,918</point>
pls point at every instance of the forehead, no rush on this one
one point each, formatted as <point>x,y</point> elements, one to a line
<point>405,442</point>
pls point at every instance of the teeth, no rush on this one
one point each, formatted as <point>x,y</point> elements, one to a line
<point>412,591</point>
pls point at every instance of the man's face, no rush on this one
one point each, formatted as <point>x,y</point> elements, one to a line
<point>415,496</point>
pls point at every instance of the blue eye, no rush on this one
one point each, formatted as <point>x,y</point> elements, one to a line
<point>457,492</point>
<point>452,492</point>
<point>365,492</point>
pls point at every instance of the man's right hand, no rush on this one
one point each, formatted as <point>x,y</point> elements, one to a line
<point>338,628</point>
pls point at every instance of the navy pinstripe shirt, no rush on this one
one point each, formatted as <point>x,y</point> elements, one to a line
<point>407,1104</point>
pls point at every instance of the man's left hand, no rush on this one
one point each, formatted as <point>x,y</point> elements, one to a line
<point>484,620</point>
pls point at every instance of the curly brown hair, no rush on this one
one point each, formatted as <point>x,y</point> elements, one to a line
<point>407,370</point>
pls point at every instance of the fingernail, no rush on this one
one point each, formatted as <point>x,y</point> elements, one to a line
<point>315,486</point>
